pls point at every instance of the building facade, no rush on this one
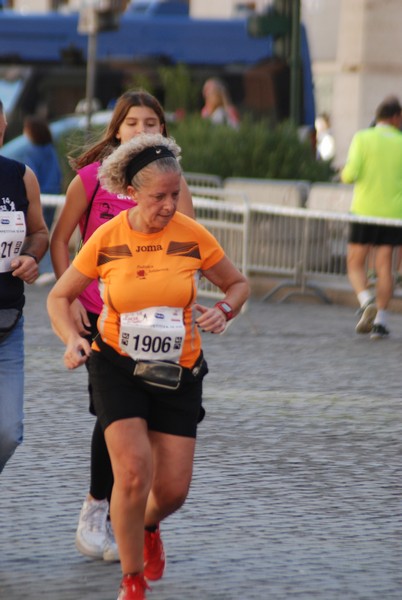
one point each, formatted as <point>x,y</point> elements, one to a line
<point>356,50</point>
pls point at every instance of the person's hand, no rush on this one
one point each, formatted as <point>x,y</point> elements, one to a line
<point>80,317</point>
<point>211,319</point>
<point>77,352</point>
<point>25,267</point>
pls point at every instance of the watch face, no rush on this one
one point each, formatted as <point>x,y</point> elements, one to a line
<point>226,307</point>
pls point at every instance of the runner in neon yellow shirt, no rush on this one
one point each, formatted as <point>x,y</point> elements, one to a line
<point>374,165</point>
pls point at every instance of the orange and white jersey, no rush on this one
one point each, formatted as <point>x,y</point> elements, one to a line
<point>137,271</point>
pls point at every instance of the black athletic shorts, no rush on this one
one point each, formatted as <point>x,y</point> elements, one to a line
<point>117,394</point>
<point>93,319</point>
<point>377,235</point>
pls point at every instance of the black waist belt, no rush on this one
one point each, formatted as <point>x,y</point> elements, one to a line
<point>154,372</point>
<point>9,318</point>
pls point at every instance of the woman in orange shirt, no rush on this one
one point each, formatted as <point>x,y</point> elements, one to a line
<point>146,366</point>
<point>88,205</point>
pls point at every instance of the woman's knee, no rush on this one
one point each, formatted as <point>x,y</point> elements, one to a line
<point>133,479</point>
<point>171,497</point>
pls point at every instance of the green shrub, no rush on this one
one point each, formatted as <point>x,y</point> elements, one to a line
<point>255,150</point>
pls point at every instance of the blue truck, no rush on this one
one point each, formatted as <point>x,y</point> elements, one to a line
<point>43,60</point>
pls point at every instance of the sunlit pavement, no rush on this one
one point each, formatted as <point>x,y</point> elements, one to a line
<point>296,491</point>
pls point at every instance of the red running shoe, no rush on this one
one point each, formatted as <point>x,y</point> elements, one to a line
<point>133,587</point>
<point>154,555</point>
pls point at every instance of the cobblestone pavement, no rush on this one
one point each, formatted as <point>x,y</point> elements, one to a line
<point>297,485</point>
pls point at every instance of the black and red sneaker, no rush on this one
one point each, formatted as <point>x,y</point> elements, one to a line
<point>133,587</point>
<point>154,555</point>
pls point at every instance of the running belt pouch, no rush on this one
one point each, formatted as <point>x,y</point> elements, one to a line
<point>160,374</point>
<point>8,320</point>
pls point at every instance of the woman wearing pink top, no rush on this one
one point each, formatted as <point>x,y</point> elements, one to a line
<point>88,205</point>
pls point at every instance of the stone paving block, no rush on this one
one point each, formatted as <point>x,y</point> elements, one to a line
<point>296,491</point>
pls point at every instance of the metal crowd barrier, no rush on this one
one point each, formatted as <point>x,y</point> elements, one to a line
<point>53,199</point>
<point>203,180</point>
<point>278,192</point>
<point>58,200</point>
<point>227,218</point>
<point>304,248</point>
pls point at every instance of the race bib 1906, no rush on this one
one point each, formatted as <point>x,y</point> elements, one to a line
<point>12,235</point>
<point>155,333</point>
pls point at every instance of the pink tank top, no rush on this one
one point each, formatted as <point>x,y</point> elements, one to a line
<point>104,207</point>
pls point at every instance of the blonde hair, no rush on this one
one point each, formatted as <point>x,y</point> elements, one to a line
<point>113,171</point>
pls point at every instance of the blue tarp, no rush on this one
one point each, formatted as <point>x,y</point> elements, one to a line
<point>42,37</point>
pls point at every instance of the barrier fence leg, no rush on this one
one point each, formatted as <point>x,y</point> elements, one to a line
<point>300,279</point>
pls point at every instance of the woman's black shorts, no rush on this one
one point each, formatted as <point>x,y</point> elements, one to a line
<point>116,394</point>
<point>93,319</point>
<point>377,235</point>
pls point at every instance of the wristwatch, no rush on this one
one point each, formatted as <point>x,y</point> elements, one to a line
<point>226,309</point>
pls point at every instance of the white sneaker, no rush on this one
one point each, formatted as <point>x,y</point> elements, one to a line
<point>367,315</point>
<point>111,552</point>
<point>90,538</point>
